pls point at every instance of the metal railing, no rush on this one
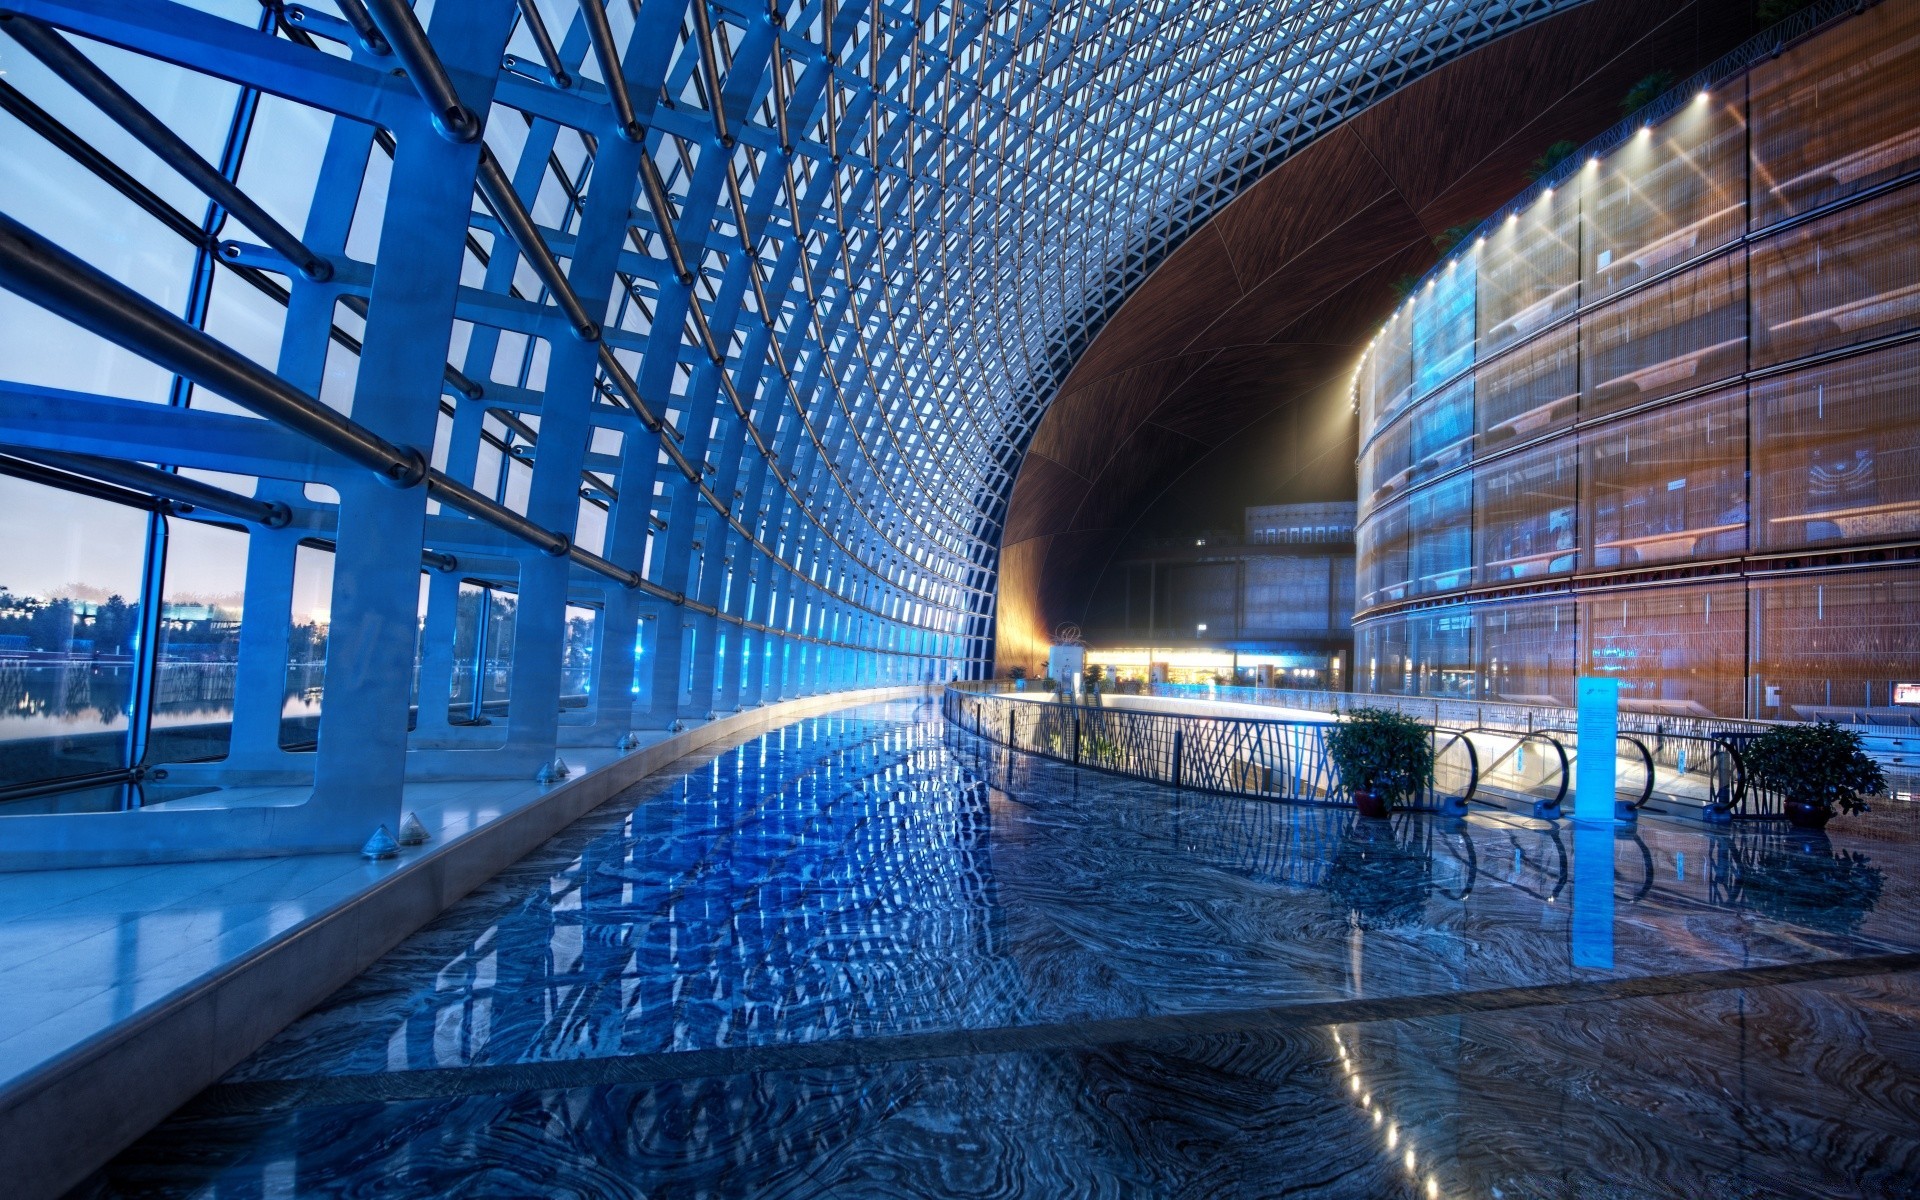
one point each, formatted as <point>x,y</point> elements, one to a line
<point>1241,756</point>
<point>1666,762</point>
<point>1497,763</point>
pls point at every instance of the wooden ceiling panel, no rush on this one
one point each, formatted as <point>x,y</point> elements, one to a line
<point>1043,493</point>
<point>1182,297</point>
<point>1279,372</point>
<point>1079,441</point>
<point>1264,228</point>
<point>1382,232</point>
<point>1145,463</point>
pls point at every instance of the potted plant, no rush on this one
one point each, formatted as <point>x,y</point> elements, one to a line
<point>1815,768</point>
<point>1382,757</point>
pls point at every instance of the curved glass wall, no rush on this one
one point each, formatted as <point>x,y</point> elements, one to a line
<point>702,340</point>
<point>1661,418</point>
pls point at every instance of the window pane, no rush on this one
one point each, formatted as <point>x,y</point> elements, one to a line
<point>1387,464</point>
<point>69,616</point>
<point>1440,646</point>
<point>307,647</point>
<point>1825,123</point>
<point>1524,514</point>
<point>1441,433</point>
<point>1667,196</point>
<point>1836,452</point>
<point>204,593</point>
<point>1669,485</point>
<point>1846,278</point>
<point>1440,536</point>
<point>1530,269</point>
<point>576,682</point>
<point>1532,391</point>
<point>1672,337</point>
<point>1381,554</point>
<point>1443,325</point>
<point>1529,651</point>
<point>1677,651</point>
<point>1392,373</point>
<point>482,652</point>
<point>1830,647</point>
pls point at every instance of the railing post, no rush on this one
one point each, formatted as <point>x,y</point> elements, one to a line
<point>1178,742</point>
<point>1076,737</point>
<point>1010,714</point>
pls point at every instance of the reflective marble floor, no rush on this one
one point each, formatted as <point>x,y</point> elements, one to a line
<point>865,955</point>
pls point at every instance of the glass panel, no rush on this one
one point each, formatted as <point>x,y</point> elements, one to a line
<point>1287,597</point>
<point>69,618</point>
<point>1825,123</point>
<point>1829,647</point>
<point>482,651</point>
<point>1440,536</point>
<point>1532,391</point>
<point>1668,195</point>
<point>1381,647</point>
<point>576,666</point>
<point>1524,514</point>
<point>1672,337</point>
<point>1441,433</point>
<point>1393,373</point>
<point>1387,464</point>
<point>1836,452</point>
<point>1678,651</point>
<point>1530,269</point>
<point>1381,554</point>
<point>642,668</point>
<point>1668,485</point>
<point>1846,278</point>
<point>307,647</point>
<point>1443,325</point>
<point>1529,651</point>
<point>56,196</point>
<point>199,655</point>
<point>1440,653</point>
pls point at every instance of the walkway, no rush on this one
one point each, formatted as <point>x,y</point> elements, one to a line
<point>866,955</point>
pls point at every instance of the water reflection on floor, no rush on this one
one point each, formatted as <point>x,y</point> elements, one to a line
<point>865,955</point>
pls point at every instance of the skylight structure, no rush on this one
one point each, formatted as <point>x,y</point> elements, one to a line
<point>554,370</point>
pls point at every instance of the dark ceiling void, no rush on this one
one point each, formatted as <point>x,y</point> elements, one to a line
<point>1222,380</point>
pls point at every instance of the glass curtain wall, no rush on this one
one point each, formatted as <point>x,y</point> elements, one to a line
<point>1675,373</point>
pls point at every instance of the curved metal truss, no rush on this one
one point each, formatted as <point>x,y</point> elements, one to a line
<point>736,317</point>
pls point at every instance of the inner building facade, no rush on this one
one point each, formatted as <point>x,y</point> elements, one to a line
<point>1653,419</point>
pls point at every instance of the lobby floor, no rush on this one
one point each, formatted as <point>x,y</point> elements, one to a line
<point>865,955</point>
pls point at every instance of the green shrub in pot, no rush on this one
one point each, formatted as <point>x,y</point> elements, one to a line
<point>1383,758</point>
<point>1814,768</point>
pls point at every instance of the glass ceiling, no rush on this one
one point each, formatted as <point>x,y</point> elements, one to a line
<point>748,310</point>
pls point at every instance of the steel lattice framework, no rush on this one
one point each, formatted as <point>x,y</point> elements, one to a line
<point>819,266</point>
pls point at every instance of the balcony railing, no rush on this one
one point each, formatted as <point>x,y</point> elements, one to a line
<point>1482,755</point>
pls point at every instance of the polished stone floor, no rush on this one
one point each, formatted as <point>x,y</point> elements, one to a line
<point>864,955</point>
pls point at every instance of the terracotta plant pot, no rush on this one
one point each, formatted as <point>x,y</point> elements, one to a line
<point>1807,814</point>
<point>1372,804</point>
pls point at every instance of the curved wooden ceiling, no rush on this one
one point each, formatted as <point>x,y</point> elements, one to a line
<point>1268,305</point>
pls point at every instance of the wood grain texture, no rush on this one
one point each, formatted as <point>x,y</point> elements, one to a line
<point>1271,301</point>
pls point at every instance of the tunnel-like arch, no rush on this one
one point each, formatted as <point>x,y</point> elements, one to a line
<point>655,359</point>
